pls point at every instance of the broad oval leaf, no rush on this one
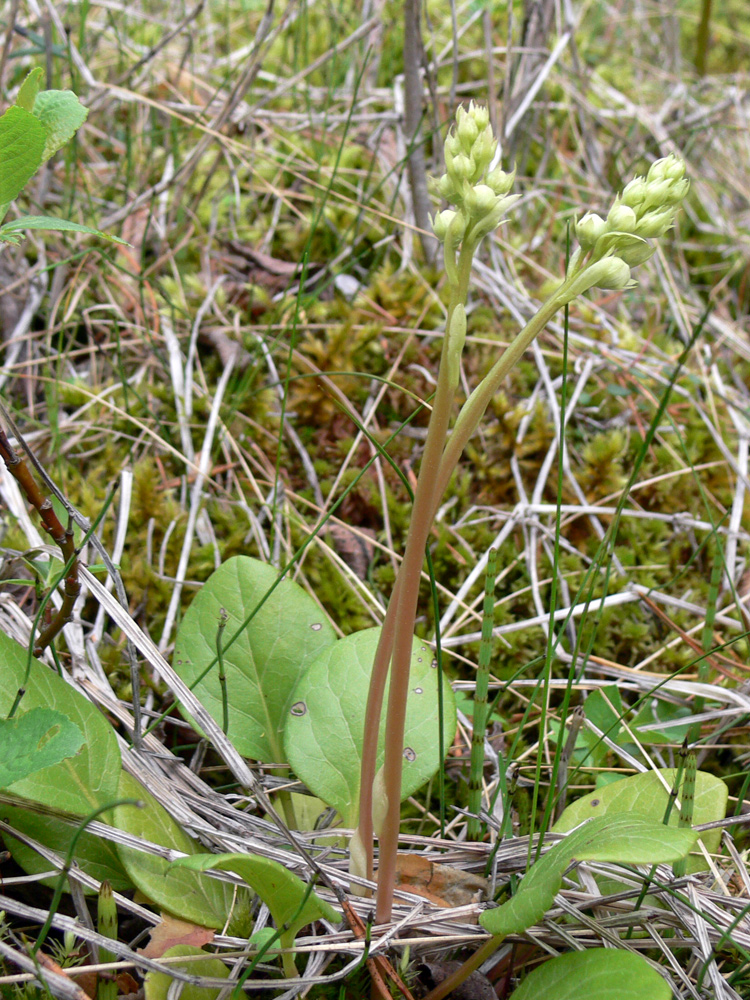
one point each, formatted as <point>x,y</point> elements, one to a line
<point>157,984</point>
<point>264,662</point>
<point>61,115</point>
<point>628,840</point>
<point>22,138</point>
<point>646,795</point>
<point>289,899</point>
<point>597,974</point>
<point>34,740</point>
<point>183,892</point>
<point>78,784</point>
<point>29,89</point>
<point>323,733</point>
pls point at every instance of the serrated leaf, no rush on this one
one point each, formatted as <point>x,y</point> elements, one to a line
<point>183,892</point>
<point>50,223</point>
<point>22,139</point>
<point>61,115</point>
<point>292,904</point>
<point>597,974</point>
<point>33,740</point>
<point>29,89</point>
<point>619,839</point>
<point>323,733</point>
<point>157,984</point>
<point>263,664</point>
<point>645,795</point>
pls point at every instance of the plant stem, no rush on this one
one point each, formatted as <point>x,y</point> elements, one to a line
<point>397,633</point>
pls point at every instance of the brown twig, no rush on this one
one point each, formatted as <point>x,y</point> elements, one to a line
<point>63,537</point>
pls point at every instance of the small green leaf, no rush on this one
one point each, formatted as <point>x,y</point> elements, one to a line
<point>620,839</point>
<point>22,138</point>
<point>645,795</point>
<point>77,784</point>
<point>50,223</point>
<point>180,891</point>
<point>29,89</point>
<point>61,115</point>
<point>157,983</point>
<point>596,974</point>
<point>281,890</point>
<point>34,740</point>
<point>267,658</point>
<point>323,734</point>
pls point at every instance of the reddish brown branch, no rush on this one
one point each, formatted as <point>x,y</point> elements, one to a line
<point>63,537</point>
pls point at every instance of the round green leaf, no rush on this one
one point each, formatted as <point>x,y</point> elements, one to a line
<point>645,795</point>
<point>78,784</point>
<point>265,661</point>
<point>628,840</point>
<point>157,984</point>
<point>33,740</point>
<point>596,974</point>
<point>184,893</point>
<point>323,733</point>
<point>289,899</point>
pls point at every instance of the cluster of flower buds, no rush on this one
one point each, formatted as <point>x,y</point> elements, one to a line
<point>479,194</point>
<point>645,210</point>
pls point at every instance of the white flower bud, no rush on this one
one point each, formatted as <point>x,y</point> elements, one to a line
<point>480,114</point>
<point>589,229</point>
<point>462,168</point>
<point>655,224</point>
<point>441,222</point>
<point>480,200</point>
<point>466,130</point>
<point>499,181</point>
<point>483,151</point>
<point>634,193</point>
<point>621,219</point>
<point>609,272</point>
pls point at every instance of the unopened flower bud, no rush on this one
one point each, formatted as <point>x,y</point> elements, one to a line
<point>441,223</point>
<point>500,181</point>
<point>466,130</point>
<point>621,219</point>
<point>654,224</point>
<point>481,115</point>
<point>634,193</point>
<point>609,272</point>
<point>589,229</point>
<point>480,200</point>
<point>483,151</point>
<point>462,168</point>
<point>667,168</point>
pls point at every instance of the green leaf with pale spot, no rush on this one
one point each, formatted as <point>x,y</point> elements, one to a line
<point>266,660</point>
<point>291,902</point>
<point>76,785</point>
<point>183,892</point>
<point>29,89</point>
<point>323,733</point>
<point>22,139</point>
<point>647,795</point>
<point>628,840</point>
<point>596,974</point>
<point>61,115</point>
<point>157,984</point>
<point>33,740</point>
